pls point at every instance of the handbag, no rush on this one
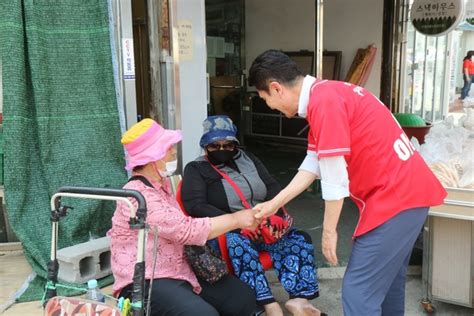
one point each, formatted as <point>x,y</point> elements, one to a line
<point>272,228</point>
<point>206,263</point>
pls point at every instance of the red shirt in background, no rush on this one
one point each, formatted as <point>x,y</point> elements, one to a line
<point>469,65</point>
<point>387,175</point>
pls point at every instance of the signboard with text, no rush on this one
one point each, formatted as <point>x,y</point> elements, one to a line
<point>436,17</point>
<point>128,59</point>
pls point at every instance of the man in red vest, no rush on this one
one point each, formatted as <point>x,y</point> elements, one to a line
<point>359,150</point>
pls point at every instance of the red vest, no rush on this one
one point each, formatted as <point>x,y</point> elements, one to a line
<point>386,174</point>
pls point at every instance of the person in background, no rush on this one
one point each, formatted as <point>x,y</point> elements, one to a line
<point>467,73</point>
<point>151,155</point>
<point>206,193</point>
<point>357,149</point>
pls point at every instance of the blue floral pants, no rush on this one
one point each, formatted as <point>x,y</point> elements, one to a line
<point>293,261</point>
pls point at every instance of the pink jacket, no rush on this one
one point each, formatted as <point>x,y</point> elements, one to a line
<point>174,231</point>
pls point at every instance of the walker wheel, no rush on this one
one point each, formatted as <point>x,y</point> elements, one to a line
<point>427,306</point>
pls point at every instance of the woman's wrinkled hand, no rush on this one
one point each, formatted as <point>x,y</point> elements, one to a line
<point>265,209</point>
<point>246,219</point>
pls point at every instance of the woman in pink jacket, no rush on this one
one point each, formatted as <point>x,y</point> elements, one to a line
<point>151,155</point>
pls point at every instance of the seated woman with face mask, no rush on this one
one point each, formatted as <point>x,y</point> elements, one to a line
<point>208,192</point>
<point>151,155</point>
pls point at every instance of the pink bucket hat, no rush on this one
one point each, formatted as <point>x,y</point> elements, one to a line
<point>147,141</point>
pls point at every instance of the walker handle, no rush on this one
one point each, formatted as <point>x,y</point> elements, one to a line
<point>141,211</point>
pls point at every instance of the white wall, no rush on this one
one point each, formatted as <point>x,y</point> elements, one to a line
<point>468,37</point>
<point>192,77</point>
<point>278,24</point>
<point>289,25</point>
<point>353,24</point>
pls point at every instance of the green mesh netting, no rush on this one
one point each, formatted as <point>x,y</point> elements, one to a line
<point>61,124</point>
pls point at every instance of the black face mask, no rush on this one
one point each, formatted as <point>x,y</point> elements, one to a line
<point>217,157</point>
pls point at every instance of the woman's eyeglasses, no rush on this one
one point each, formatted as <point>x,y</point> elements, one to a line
<point>216,146</point>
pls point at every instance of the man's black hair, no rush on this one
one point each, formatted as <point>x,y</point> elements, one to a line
<point>272,65</point>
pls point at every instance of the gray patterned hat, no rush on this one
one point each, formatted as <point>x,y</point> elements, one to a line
<point>218,127</point>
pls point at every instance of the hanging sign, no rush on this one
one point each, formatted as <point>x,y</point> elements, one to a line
<point>436,17</point>
<point>470,12</point>
<point>128,59</point>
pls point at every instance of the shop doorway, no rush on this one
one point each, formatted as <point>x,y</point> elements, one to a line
<point>142,58</point>
<point>225,38</point>
<point>236,32</point>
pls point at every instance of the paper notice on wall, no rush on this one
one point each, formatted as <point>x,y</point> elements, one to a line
<point>128,59</point>
<point>185,39</point>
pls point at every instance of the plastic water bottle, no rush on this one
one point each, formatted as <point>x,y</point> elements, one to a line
<point>93,292</point>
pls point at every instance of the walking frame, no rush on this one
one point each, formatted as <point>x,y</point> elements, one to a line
<point>137,222</point>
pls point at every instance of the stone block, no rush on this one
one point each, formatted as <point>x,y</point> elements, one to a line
<point>85,261</point>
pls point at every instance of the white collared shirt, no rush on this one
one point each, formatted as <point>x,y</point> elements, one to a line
<point>331,170</point>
